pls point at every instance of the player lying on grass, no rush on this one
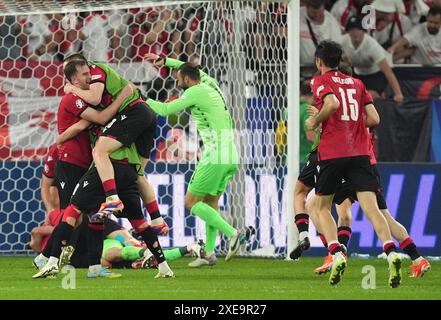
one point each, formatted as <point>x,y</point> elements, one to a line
<point>344,106</point>
<point>121,250</point>
<point>206,102</point>
<point>134,123</point>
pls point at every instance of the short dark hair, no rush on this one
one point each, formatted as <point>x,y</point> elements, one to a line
<point>434,11</point>
<point>315,4</point>
<point>330,52</point>
<point>75,56</point>
<point>190,70</point>
<point>71,68</point>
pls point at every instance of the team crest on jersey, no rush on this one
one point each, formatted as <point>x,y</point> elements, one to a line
<point>79,103</point>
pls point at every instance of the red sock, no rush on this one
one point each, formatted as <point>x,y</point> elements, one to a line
<point>109,187</point>
<point>153,210</point>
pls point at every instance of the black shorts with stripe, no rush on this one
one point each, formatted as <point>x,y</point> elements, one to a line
<point>135,124</point>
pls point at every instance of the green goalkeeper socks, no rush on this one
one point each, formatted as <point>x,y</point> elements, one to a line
<point>131,253</point>
<point>212,218</point>
<point>210,238</point>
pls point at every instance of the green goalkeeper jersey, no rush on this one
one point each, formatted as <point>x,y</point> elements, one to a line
<point>114,83</point>
<point>209,111</point>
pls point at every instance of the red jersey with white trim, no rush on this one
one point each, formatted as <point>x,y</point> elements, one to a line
<point>76,150</point>
<point>99,75</point>
<point>344,133</point>
<point>50,160</point>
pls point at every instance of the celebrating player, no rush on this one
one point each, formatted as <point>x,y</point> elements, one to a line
<point>135,123</point>
<point>219,162</point>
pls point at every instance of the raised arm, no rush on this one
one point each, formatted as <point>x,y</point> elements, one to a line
<point>174,64</point>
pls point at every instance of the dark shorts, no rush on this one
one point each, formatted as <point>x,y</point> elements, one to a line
<point>135,124</point>
<point>111,226</point>
<point>89,193</point>
<point>346,191</point>
<point>356,170</point>
<point>67,176</point>
<point>309,172</point>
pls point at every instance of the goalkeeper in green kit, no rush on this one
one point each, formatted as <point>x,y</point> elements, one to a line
<point>204,98</point>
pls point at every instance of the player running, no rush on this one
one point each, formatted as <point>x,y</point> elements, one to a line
<point>135,123</point>
<point>344,153</point>
<point>218,165</point>
<point>419,265</point>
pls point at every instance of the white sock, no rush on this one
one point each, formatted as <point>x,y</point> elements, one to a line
<point>94,268</point>
<point>52,261</point>
<point>303,235</point>
<point>163,267</point>
<point>41,256</point>
<point>157,221</point>
<point>417,260</point>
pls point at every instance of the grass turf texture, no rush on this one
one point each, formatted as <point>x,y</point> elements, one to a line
<point>238,279</point>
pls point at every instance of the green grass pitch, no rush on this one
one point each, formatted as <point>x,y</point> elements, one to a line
<point>238,279</point>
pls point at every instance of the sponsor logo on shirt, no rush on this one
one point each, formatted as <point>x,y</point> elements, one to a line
<point>123,117</point>
<point>62,184</point>
<point>96,76</point>
<point>85,184</point>
<point>46,168</point>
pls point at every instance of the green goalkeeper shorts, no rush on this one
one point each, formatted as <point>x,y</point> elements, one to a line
<point>211,179</point>
<point>111,244</point>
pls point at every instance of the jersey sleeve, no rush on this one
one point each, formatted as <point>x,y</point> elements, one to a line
<point>320,90</point>
<point>74,104</point>
<point>188,99</point>
<point>98,74</point>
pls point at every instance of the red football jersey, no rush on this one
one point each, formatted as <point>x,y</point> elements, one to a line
<point>99,75</point>
<point>344,133</point>
<point>50,160</point>
<point>77,150</point>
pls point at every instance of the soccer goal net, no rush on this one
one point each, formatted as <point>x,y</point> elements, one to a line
<point>243,44</point>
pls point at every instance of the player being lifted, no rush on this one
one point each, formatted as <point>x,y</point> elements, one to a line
<point>344,153</point>
<point>218,165</point>
<point>134,123</point>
